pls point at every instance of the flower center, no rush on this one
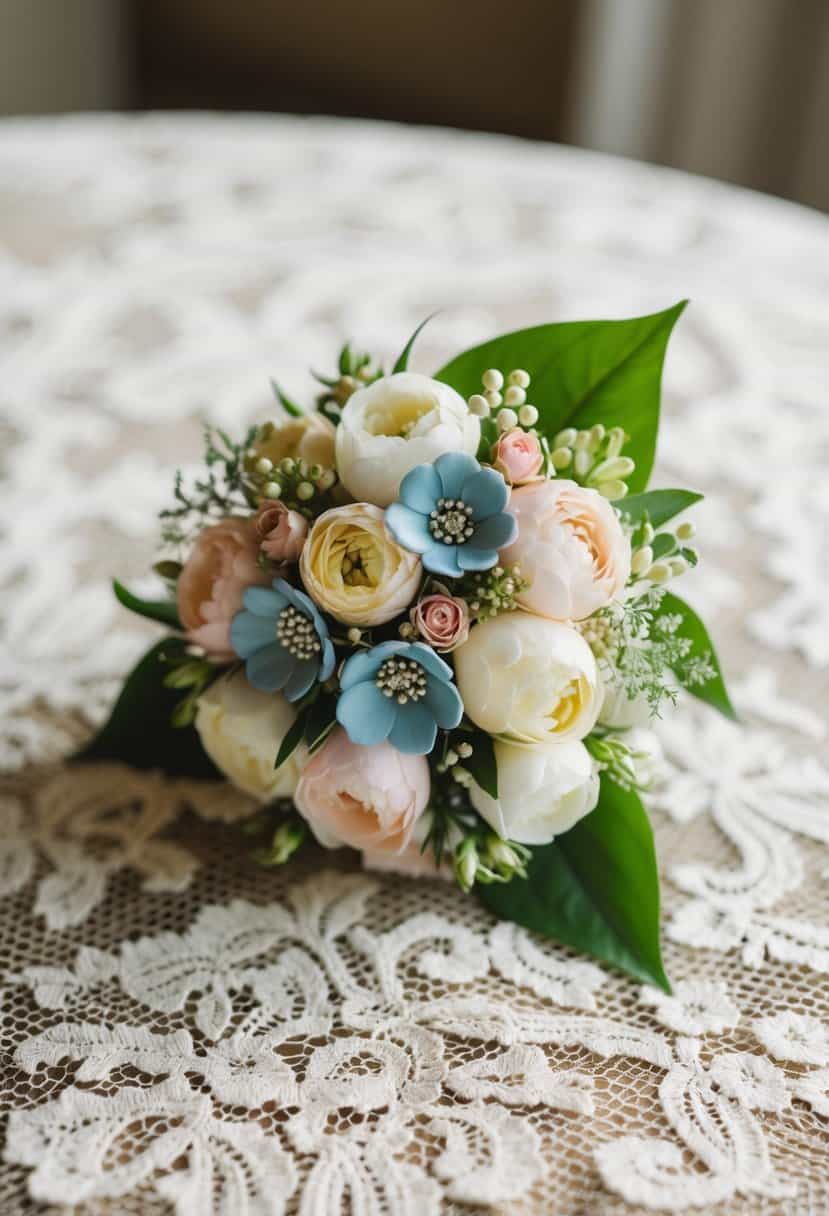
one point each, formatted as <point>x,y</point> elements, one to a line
<point>451,521</point>
<point>403,679</point>
<point>297,634</point>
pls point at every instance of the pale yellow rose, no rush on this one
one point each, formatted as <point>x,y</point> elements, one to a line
<point>353,569</point>
<point>311,438</point>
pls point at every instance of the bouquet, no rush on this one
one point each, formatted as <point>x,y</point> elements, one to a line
<point>424,617</point>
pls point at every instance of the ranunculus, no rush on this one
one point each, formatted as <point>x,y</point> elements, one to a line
<point>518,457</point>
<point>542,791</point>
<point>241,730</point>
<point>395,424</point>
<point>282,532</point>
<point>353,569</point>
<point>209,592</point>
<point>367,797</point>
<point>442,620</point>
<point>570,547</point>
<point>309,438</point>
<point>528,680</point>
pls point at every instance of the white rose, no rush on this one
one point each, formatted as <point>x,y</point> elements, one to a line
<point>241,730</point>
<point>542,791</point>
<point>395,424</point>
<point>528,680</point>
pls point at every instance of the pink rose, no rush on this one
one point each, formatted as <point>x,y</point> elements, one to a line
<point>209,593</point>
<point>282,532</point>
<point>442,621</point>
<point>367,797</point>
<point>571,548</point>
<point>518,457</point>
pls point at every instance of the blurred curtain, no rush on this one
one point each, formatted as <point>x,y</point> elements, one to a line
<point>737,89</point>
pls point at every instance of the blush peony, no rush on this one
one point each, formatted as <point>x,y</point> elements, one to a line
<point>209,591</point>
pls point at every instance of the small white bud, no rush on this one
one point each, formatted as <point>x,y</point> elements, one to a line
<point>648,533</point>
<point>273,489</point>
<point>304,491</point>
<point>566,438</point>
<point>561,458</point>
<point>264,465</point>
<point>686,530</point>
<point>519,377</point>
<point>515,395</point>
<point>327,479</point>
<point>462,775</point>
<point>597,433</point>
<point>451,758</point>
<point>494,399</point>
<point>678,566</point>
<point>492,379</point>
<point>407,630</point>
<point>612,490</point>
<point>479,405</point>
<point>354,634</point>
<point>641,561</point>
<point>506,419</point>
<point>464,750</point>
<point>528,415</point>
<point>659,572</point>
<point>615,441</point>
<point>609,470</point>
<point>287,465</point>
<point>582,462</point>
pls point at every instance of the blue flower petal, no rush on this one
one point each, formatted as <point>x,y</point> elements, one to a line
<point>365,664</point>
<point>470,558</point>
<point>328,660</point>
<point>264,602</point>
<point>301,679</point>
<point>365,714</point>
<point>414,730</point>
<point>269,668</point>
<point>408,528</point>
<point>495,532</point>
<point>444,703</point>
<point>486,492</point>
<point>427,658</point>
<point>249,633</point>
<point>443,559</point>
<point>454,468</point>
<point>420,489</point>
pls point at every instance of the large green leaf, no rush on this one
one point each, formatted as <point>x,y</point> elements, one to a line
<point>596,888</point>
<point>658,505</point>
<point>713,692</point>
<point>584,372</point>
<point>139,732</point>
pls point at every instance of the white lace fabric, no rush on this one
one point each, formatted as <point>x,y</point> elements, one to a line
<point>183,1032</point>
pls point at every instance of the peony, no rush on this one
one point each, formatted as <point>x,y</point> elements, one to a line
<point>353,569</point>
<point>367,797</point>
<point>542,791</point>
<point>571,548</point>
<point>209,592</point>
<point>309,438</point>
<point>518,457</point>
<point>282,532</point>
<point>241,730</point>
<point>528,680</point>
<point>395,424</point>
<point>442,620</point>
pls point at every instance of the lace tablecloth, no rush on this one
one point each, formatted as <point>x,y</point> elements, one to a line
<point>183,1032</point>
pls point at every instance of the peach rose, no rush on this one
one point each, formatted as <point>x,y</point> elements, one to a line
<point>571,548</point>
<point>442,621</point>
<point>209,593</point>
<point>282,532</point>
<point>366,797</point>
<point>518,457</point>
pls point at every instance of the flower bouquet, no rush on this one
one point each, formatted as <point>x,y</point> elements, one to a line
<point>423,618</point>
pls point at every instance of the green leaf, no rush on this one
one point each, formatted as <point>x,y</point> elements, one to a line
<point>658,505</point>
<point>481,764</point>
<point>139,731</point>
<point>596,888</point>
<point>403,358</point>
<point>292,739</point>
<point>584,372</point>
<point>320,721</point>
<point>289,406</point>
<point>713,692</point>
<point>164,611</point>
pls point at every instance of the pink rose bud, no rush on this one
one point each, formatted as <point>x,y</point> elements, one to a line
<point>281,530</point>
<point>518,457</point>
<point>442,621</point>
<point>209,592</point>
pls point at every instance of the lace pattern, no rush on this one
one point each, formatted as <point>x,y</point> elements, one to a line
<point>184,1033</point>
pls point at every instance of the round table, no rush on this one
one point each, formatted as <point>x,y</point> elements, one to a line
<point>185,1032</point>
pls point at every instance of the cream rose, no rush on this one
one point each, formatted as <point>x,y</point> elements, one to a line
<point>353,569</point>
<point>542,791</point>
<point>389,427</point>
<point>571,548</point>
<point>528,680</point>
<point>241,730</point>
<point>367,797</point>
<point>309,438</point>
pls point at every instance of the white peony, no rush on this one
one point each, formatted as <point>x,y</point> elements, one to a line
<point>241,730</point>
<point>395,424</point>
<point>528,680</point>
<point>542,791</point>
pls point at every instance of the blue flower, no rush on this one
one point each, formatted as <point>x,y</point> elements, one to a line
<point>400,691</point>
<point>283,640</point>
<point>452,513</point>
